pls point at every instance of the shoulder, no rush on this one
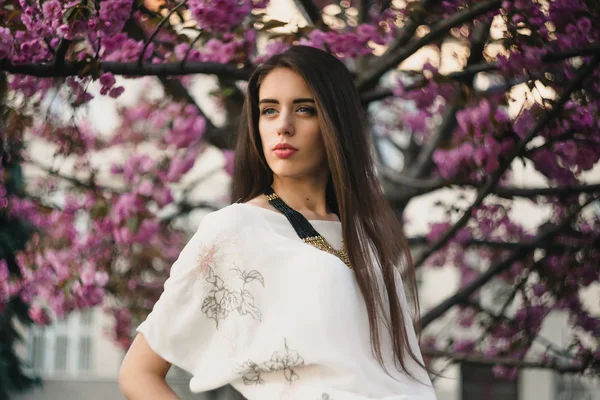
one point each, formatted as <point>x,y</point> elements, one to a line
<point>231,219</point>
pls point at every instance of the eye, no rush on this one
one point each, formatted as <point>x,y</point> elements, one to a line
<point>307,110</point>
<point>268,111</point>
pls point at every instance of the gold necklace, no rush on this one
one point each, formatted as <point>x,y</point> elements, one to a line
<point>304,229</point>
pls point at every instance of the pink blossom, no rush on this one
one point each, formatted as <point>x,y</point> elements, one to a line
<point>39,315</point>
<point>219,15</point>
<point>6,43</point>
<point>463,345</point>
<point>179,166</point>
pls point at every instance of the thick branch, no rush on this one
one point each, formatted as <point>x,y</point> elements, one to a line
<point>463,295</point>
<point>501,245</point>
<point>392,57</point>
<point>363,11</point>
<point>553,191</point>
<point>61,52</point>
<point>546,58</point>
<point>375,95</point>
<point>414,187</point>
<point>233,102</point>
<point>416,18</point>
<point>569,135</point>
<point>505,361</point>
<point>470,71</point>
<point>131,69</point>
<point>582,74</point>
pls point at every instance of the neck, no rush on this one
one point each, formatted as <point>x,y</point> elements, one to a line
<point>302,196</point>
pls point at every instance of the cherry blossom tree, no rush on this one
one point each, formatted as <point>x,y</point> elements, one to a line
<point>458,124</point>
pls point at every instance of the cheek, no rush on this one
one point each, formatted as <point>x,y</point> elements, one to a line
<point>262,132</point>
<point>316,139</point>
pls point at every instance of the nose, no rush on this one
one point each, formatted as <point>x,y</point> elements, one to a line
<point>285,124</point>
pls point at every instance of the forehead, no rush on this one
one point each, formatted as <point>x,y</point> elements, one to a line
<point>283,83</point>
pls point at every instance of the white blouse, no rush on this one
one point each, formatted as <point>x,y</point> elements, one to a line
<point>249,304</point>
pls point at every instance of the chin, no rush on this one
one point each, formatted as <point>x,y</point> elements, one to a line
<point>286,173</point>
<point>286,169</point>
<point>293,168</point>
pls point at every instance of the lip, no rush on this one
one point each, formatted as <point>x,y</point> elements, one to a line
<point>284,153</point>
<point>284,146</point>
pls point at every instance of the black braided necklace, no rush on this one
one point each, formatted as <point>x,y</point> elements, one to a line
<point>304,229</point>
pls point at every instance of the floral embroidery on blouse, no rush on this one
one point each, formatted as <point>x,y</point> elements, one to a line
<point>284,361</point>
<point>207,258</point>
<point>221,300</point>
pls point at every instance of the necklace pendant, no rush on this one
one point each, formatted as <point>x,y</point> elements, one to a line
<point>322,244</point>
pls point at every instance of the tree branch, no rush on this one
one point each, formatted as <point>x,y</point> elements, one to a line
<point>444,131</point>
<point>415,187</point>
<point>91,184</point>
<point>128,68</point>
<point>582,74</point>
<point>174,87</point>
<point>462,296</point>
<point>363,11</point>
<point>189,50</point>
<point>496,244</point>
<point>416,19</point>
<point>470,71</point>
<point>391,58</point>
<point>61,52</point>
<point>505,361</point>
<point>546,58</point>
<point>157,29</point>
<point>424,161</point>
<point>552,191</point>
<point>178,91</point>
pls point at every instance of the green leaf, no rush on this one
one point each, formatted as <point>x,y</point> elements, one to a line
<point>79,12</point>
<point>273,24</point>
<point>99,209</point>
<point>68,14</point>
<point>133,224</point>
<point>227,91</point>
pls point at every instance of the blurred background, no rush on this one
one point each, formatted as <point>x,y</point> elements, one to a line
<point>118,120</point>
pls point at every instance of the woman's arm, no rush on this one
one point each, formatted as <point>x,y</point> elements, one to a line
<point>143,372</point>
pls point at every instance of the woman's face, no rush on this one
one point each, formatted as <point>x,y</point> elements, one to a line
<point>288,115</point>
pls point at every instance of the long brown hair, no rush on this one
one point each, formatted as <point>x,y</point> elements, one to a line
<point>369,225</point>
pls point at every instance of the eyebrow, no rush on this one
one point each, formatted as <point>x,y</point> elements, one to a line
<point>295,101</point>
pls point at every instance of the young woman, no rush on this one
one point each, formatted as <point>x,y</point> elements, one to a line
<point>292,292</point>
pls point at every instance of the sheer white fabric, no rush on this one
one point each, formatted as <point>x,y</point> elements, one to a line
<point>249,304</point>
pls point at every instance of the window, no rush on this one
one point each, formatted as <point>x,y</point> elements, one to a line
<point>575,388</point>
<point>61,353</point>
<point>85,351</point>
<point>479,382</point>
<point>64,348</point>
<point>36,352</point>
